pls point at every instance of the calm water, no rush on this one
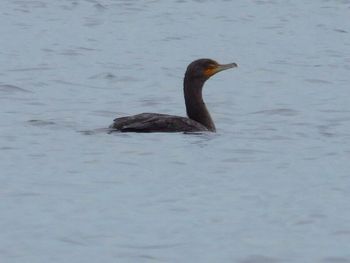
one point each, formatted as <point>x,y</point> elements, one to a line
<point>272,185</point>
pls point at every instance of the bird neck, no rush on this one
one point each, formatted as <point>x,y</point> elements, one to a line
<point>195,106</point>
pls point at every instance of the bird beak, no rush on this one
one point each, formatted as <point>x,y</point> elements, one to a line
<point>224,67</point>
<point>211,71</point>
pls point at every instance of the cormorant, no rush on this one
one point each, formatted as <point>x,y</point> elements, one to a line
<point>198,115</point>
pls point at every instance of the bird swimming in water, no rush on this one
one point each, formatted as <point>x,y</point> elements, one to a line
<point>198,119</point>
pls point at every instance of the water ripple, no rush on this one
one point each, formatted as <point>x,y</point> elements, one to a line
<point>280,111</point>
<point>7,88</point>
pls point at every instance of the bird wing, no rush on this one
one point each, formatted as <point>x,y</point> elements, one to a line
<point>155,122</point>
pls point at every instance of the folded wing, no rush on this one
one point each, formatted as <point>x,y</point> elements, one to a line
<point>155,122</point>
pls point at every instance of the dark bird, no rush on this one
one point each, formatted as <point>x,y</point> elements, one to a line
<point>198,119</point>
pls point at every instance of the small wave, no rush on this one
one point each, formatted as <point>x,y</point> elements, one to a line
<point>12,88</point>
<point>281,112</point>
<point>41,122</point>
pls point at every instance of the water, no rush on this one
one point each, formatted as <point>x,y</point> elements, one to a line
<point>272,185</point>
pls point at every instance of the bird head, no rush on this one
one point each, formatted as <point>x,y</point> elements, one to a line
<point>203,69</point>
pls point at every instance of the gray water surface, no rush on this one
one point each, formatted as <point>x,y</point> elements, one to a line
<point>272,185</point>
